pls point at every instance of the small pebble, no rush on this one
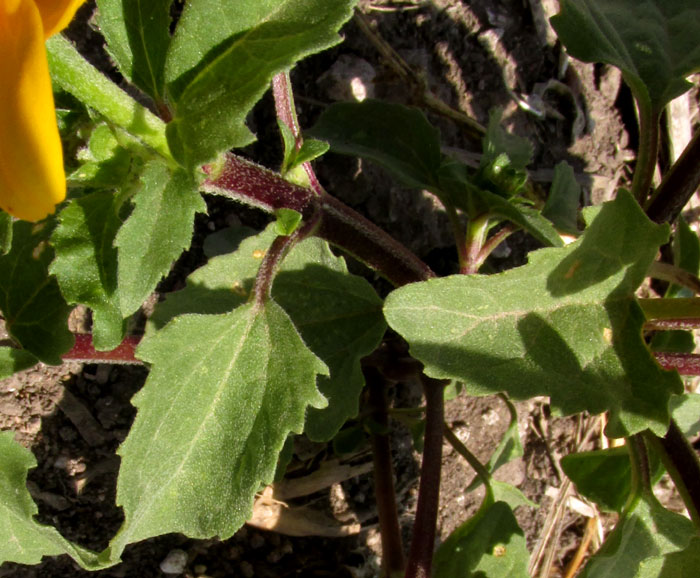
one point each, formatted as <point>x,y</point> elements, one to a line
<point>257,541</point>
<point>247,570</point>
<point>175,562</point>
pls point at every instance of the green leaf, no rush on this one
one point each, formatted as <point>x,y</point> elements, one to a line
<point>86,263</point>
<point>566,325</point>
<point>463,191</point>
<point>13,360</point>
<point>35,312</point>
<point>605,476</point>
<point>562,203</point>
<point>653,42</point>
<point>338,314</point>
<point>223,57</point>
<point>646,531</point>
<point>105,163</point>
<point>683,564</point>
<point>686,411</point>
<point>398,138</point>
<point>5,233</point>
<point>22,539</point>
<point>498,142</point>
<point>223,394</point>
<point>489,544</point>
<point>310,149</point>
<point>138,36</point>
<point>508,493</point>
<point>287,221</point>
<point>157,231</point>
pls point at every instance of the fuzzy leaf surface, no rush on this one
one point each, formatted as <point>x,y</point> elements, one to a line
<point>646,531</point>
<point>86,263</point>
<point>683,564</point>
<point>22,539</point>
<point>36,313</point>
<point>138,36</point>
<point>565,325</point>
<point>653,42</point>
<point>223,394</point>
<point>338,314</point>
<point>490,544</point>
<point>223,57</point>
<point>157,231</point>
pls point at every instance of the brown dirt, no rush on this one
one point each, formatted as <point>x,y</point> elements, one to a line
<point>474,56</point>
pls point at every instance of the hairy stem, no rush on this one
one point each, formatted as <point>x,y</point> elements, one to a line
<point>274,257</point>
<point>84,350</point>
<point>683,363</point>
<point>393,560</point>
<point>679,184</point>
<point>420,557</point>
<point>681,462</point>
<point>341,226</point>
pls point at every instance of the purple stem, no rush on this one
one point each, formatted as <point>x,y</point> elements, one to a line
<point>420,557</point>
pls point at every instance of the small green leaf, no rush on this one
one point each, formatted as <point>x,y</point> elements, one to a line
<point>223,57</point>
<point>461,188</point>
<point>645,531</point>
<point>138,36</point>
<point>398,138</point>
<point>157,231</point>
<point>563,201</point>
<point>22,539</point>
<point>566,325</point>
<point>86,263</point>
<point>489,544</point>
<point>311,149</point>
<point>13,360</point>
<point>223,394</point>
<point>653,42</point>
<point>287,221</point>
<point>35,312</point>
<point>498,142</point>
<point>508,493</point>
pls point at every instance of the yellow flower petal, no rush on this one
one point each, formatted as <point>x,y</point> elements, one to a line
<point>56,14</point>
<point>32,180</point>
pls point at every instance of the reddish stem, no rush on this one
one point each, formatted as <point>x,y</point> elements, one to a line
<point>420,557</point>
<point>683,363</point>
<point>84,350</point>
<point>393,560</point>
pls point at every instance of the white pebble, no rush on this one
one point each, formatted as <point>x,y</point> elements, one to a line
<point>175,562</point>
